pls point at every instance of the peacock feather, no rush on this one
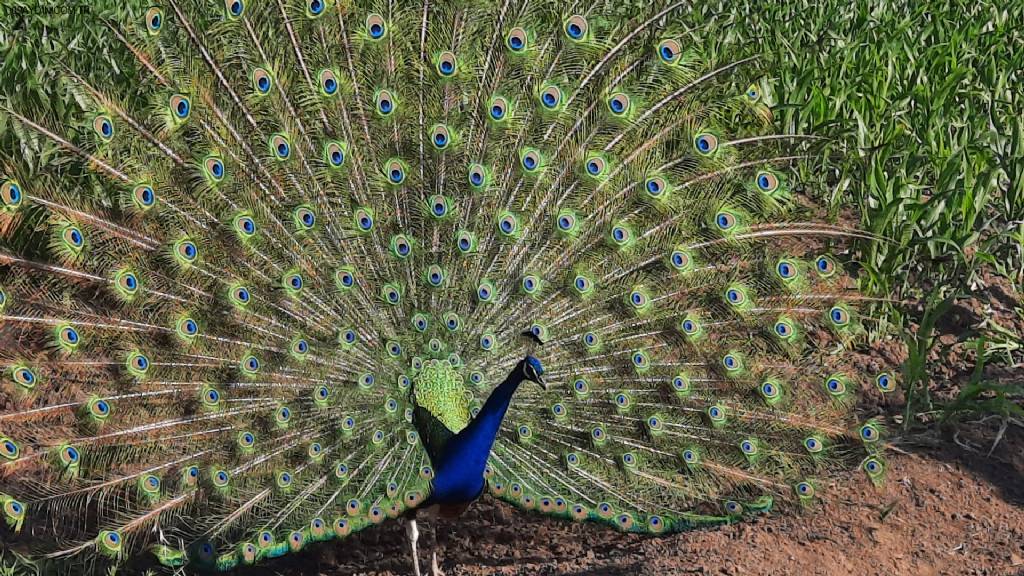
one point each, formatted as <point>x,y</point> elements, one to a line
<point>294,289</point>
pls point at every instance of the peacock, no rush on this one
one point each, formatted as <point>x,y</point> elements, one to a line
<point>328,264</point>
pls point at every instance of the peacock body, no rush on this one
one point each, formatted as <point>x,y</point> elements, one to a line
<point>305,264</point>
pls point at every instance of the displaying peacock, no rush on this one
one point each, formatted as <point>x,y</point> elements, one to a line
<point>351,261</point>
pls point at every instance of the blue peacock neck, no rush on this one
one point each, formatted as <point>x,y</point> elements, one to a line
<point>459,474</point>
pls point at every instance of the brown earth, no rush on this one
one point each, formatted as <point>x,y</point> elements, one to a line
<point>941,511</point>
<point>947,507</point>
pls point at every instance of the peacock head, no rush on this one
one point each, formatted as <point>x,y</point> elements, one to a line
<point>533,371</point>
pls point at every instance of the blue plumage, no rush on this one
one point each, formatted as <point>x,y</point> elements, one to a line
<point>459,466</point>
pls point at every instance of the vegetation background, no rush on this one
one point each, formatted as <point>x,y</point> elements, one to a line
<point>922,103</point>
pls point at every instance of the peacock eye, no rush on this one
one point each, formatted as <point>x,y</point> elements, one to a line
<point>375,26</point>
<point>234,7</point>
<point>385,102</point>
<point>9,449</point>
<point>767,182</point>
<point>705,143</point>
<point>245,226</point>
<point>395,172</point>
<point>334,152</point>
<point>873,467</point>
<point>419,322</point>
<point>825,266</point>
<point>576,27</point>
<point>656,187</point>
<point>440,137</point>
<point>783,329</point>
<point>144,196</point>
<point>786,270</point>
<point>725,221</point>
<point>262,81</point>
<point>618,103</point>
<point>485,291</point>
<point>835,385</point>
<point>127,282</point>
<point>812,445</point>
<point>104,127</point>
<point>447,64</point>
<point>498,108</point>
<point>439,206</point>
<point>280,146</point>
<point>10,195</point>
<point>735,296</point>
<point>73,238</point>
<point>551,97</point>
<point>328,83</point>
<point>363,219</point>
<point>180,106</point>
<point>240,295</point>
<point>516,40</point>
<point>583,284</point>
<point>477,176</point>
<point>869,433</point>
<point>839,316</point>
<point>154,20</point>
<point>669,51</point>
<point>345,278</point>
<point>508,224</point>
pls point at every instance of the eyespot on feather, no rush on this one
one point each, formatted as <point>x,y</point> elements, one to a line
<point>576,28</point>
<point>376,28</point>
<point>517,40</point>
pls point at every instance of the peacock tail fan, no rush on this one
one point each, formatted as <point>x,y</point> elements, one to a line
<point>328,219</point>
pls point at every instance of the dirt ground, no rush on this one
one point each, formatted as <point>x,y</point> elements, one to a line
<point>943,510</point>
<point>947,507</point>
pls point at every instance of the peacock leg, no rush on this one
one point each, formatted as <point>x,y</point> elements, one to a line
<point>413,533</point>
<point>435,570</point>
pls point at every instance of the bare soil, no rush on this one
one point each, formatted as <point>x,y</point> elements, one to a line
<point>942,510</point>
<point>947,507</point>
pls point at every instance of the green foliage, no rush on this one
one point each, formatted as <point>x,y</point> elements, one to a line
<point>921,104</point>
<point>36,33</point>
<point>981,397</point>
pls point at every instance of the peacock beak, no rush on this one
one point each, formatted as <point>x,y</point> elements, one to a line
<point>543,383</point>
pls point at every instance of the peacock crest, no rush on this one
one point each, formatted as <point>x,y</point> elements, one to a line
<point>316,240</point>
